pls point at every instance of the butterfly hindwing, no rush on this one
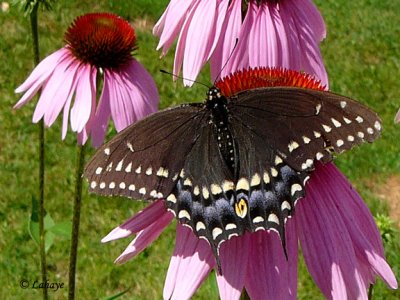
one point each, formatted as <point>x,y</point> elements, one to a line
<point>267,185</point>
<point>203,195</point>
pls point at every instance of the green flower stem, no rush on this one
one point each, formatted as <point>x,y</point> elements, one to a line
<point>370,291</point>
<point>75,221</point>
<point>36,58</point>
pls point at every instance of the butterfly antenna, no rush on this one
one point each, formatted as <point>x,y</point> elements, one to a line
<point>229,58</point>
<point>177,76</point>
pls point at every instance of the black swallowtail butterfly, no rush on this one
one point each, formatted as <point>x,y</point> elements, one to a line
<point>231,165</point>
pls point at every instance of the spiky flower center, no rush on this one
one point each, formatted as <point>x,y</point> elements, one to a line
<point>265,77</point>
<point>103,40</point>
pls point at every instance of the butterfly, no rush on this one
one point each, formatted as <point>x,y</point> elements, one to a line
<point>235,164</point>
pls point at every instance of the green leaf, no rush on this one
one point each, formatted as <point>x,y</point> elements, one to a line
<point>62,229</point>
<point>116,296</point>
<point>33,226</point>
<point>48,240</point>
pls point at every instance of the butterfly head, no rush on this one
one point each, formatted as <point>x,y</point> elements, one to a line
<point>213,93</point>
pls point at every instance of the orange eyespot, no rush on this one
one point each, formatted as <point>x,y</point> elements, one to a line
<point>241,208</point>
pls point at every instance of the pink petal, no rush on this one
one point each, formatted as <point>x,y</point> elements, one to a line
<point>263,46</point>
<point>310,55</point>
<point>67,104</point>
<point>234,255</point>
<point>397,117</point>
<point>51,87</point>
<point>190,264</point>
<point>170,23</point>
<point>270,275</point>
<point>122,111</point>
<point>82,137</point>
<point>314,18</point>
<point>240,57</point>
<point>85,93</point>
<point>139,80</point>
<point>283,58</point>
<point>326,226</point>
<point>365,235</point>
<point>84,134</point>
<point>200,33</point>
<point>159,26</point>
<point>138,222</point>
<point>229,33</point>
<point>133,94</point>
<point>220,23</point>
<point>293,44</point>
<point>180,46</point>
<point>62,93</point>
<point>102,115</point>
<point>145,238</point>
<point>43,69</point>
<point>327,251</point>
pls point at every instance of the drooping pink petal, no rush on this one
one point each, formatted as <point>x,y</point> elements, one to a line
<point>159,26</point>
<point>292,262</point>
<point>43,69</point>
<point>229,33</point>
<point>270,275</point>
<point>221,14</point>
<point>67,104</point>
<point>200,31</point>
<point>326,225</point>
<point>234,256</point>
<point>314,17</point>
<point>293,44</point>
<point>145,238</point>
<point>364,233</point>
<point>138,222</point>
<point>283,58</point>
<point>62,92</point>
<point>47,100</point>
<point>240,56</point>
<point>85,94</point>
<point>263,45</point>
<point>121,107</point>
<point>309,52</point>
<point>190,264</point>
<point>84,134</point>
<point>102,115</point>
<point>170,23</point>
<point>137,78</point>
<point>134,94</point>
<point>180,45</point>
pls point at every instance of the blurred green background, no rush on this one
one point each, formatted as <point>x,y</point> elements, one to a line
<point>362,56</point>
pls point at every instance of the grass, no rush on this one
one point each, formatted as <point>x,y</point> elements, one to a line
<point>361,52</point>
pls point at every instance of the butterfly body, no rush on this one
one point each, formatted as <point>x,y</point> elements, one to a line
<point>231,165</point>
<point>217,105</point>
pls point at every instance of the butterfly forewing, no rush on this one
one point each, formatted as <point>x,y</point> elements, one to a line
<point>314,125</point>
<point>137,162</point>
